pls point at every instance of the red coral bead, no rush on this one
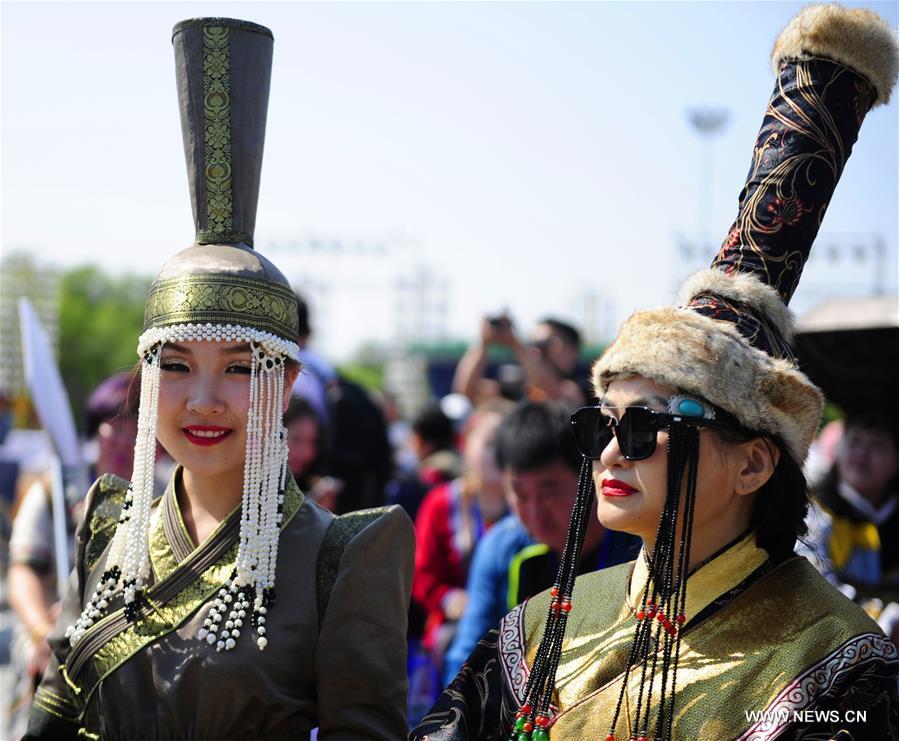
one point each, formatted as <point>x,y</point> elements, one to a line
<point>525,709</point>
<point>610,737</point>
<point>554,591</point>
<point>640,615</point>
<point>541,721</point>
<point>681,618</point>
<point>528,727</point>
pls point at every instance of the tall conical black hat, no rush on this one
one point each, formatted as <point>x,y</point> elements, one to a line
<point>729,340</point>
<point>223,72</point>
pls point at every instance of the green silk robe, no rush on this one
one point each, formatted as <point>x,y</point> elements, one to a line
<point>337,633</point>
<point>767,652</point>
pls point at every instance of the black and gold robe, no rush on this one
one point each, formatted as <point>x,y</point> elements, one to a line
<point>337,633</point>
<point>767,652</point>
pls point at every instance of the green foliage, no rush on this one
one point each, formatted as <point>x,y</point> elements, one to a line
<point>831,412</point>
<point>100,319</point>
<point>368,376</point>
<point>589,353</point>
<point>453,349</point>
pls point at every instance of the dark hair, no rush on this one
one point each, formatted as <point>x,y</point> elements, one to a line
<point>564,330</point>
<point>300,408</point>
<point>118,397</point>
<point>781,504</point>
<point>536,434</point>
<point>304,330</point>
<point>872,420</point>
<point>434,427</point>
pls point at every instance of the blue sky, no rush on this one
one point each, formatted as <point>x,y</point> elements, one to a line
<point>530,151</point>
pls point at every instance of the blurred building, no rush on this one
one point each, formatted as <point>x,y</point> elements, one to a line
<point>365,290</point>
<point>841,265</point>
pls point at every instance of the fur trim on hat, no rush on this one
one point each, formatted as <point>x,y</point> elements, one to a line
<point>695,354</point>
<point>763,299</point>
<point>859,39</point>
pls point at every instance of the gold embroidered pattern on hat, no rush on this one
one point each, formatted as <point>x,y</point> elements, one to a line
<point>217,134</point>
<point>223,299</point>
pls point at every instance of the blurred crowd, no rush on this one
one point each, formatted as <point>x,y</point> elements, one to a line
<point>488,473</point>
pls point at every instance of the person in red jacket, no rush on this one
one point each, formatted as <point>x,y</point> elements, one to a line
<point>452,518</point>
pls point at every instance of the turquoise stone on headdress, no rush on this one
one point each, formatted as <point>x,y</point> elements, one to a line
<point>690,408</point>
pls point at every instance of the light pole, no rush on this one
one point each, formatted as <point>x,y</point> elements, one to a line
<point>706,122</point>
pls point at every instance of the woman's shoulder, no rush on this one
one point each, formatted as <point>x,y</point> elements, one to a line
<point>102,508</point>
<point>342,528</point>
<point>370,545</point>
<point>597,599</point>
<point>369,525</point>
<point>381,533</point>
<point>106,488</point>
<point>371,539</point>
<point>800,609</point>
<point>805,595</point>
<point>593,587</point>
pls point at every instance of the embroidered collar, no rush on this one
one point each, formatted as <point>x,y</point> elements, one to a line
<point>720,574</point>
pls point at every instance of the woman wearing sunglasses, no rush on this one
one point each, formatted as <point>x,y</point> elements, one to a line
<point>232,606</point>
<point>697,446</point>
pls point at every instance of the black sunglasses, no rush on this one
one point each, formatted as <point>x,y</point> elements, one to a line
<point>636,430</point>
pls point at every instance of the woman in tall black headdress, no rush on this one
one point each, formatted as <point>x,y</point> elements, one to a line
<point>717,630</point>
<point>231,606</point>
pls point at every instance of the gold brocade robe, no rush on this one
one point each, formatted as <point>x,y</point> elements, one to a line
<point>766,652</point>
<point>336,651</point>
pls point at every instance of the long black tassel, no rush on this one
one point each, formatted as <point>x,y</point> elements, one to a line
<point>666,720</point>
<point>533,717</point>
<point>661,613</point>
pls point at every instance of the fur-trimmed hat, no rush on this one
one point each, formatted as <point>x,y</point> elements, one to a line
<point>728,339</point>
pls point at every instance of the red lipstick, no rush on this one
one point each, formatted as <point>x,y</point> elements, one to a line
<point>205,435</point>
<point>616,488</point>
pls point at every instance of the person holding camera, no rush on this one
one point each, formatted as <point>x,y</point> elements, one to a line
<point>546,365</point>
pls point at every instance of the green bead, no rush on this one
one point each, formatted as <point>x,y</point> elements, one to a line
<point>524,736</point>
<point>519,724</point>
<point>541,734</point>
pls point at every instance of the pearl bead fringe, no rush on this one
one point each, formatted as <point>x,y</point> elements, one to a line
<point>249,591</point>
<point>271,343</point>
